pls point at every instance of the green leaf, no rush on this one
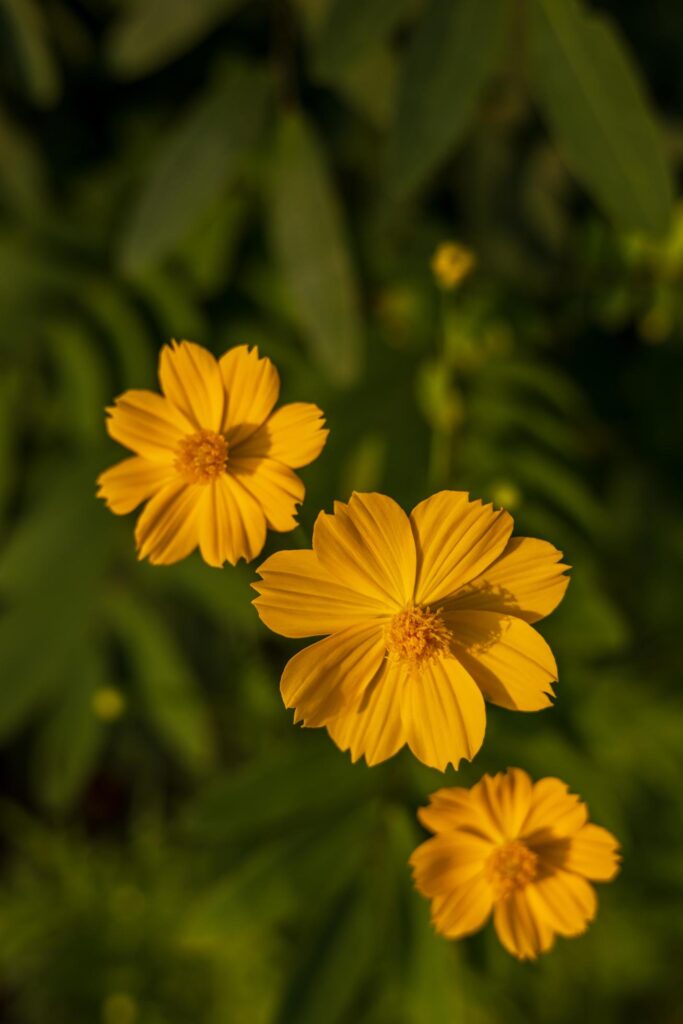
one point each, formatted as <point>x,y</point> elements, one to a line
<point>23,31</point>
<point>352,28</point>
<point>196,164</point>
<point>152,33</point>
<point>310,241</point>
<point>592,97</point>
<point>172,697</point>
<point>450,60</point>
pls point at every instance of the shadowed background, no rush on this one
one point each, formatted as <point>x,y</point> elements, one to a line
<point>174,850</point>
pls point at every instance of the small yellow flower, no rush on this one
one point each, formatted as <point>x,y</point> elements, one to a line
<point>424,617</point>
<point>213,461</point>
<point>452,263</point>
<point>523,850</point>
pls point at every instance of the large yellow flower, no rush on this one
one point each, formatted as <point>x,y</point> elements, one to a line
<point>520,849</point>
<point>428,614</point>
<point>213,461</point>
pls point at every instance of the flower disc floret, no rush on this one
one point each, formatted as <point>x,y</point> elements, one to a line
<point>416,635</point>
<point>511,866</point>
<point>202,456</point>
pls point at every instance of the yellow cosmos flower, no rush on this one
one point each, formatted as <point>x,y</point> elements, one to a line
<point>452,263</point>
<point>212,460</point>
<point>523,850</point>
<point>427,615</point>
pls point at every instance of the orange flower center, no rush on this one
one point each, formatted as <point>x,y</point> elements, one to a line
<point>202,457</point>
<point>511,866</point>
<point>416,635</point>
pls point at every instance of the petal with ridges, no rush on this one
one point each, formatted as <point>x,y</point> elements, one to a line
<point>443,714</point>
<point>464,910</point>
<point>373,729</point>
<point>276,488</point>
<point>566,902</point>
<point>190,379</point>
<point>127,484</point>
<point>447,861</point>
<point>231,523</point>
<point>510,662</point>
<point>523,929</point>
<point>503,801</point>
<point>528,580</point>
<point>592,852</point>
<point>331,675</point>
<point>554,811</point>
<point>252,386</point>
<point>368,546</point>
<point>453,808</point>
<point>298,597</point>
<point>167,529</point>
<point>148,424</point>
<point>294,435</point>
<point>456,540</point>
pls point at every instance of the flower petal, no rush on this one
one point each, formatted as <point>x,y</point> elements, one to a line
<point>167,529</point>
<point>453,809</point>
<point>368,546</point>
<point>509,661</point>
<point>294,435</point>
<point>447,861</point>
<point>456,540</point>
<point>275,487</point>
<point>503,801</point>
<point>527,580</point>
<point>148,424</point>
<point>443,714</point>
<point>553,811</point>
<point>299,597</point>
<point>231,523</point>
<point>128,483</point>
<point>190,379</point>
<point>464,910</point>
<point>373,729</point>
<point>331,675</point>
<point>567,903</point>
<point>522,928</point>
<point>252,386</point>
<point>592,852</point>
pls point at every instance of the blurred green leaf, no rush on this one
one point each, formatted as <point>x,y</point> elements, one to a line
<point>452,56</point>
<point>592,97</point>
<point>152,33</point>
<point>171,695</point>
<point>195,164</point>
<point>23,32</point>
<point>352,27</point>
<point>310,241</point>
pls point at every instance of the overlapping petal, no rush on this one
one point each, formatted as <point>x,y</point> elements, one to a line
<point>447,861</point>
<point>443,714</point>
<point>373,728</point>
<point>294,435</point>
<point>368,545</point>
<point>528,580</point>
<point>464,910</point>
<point>329,676</point>
<point>168,527</point>
<point>231,523</point>
<point>252,386</point>
<point>510,662</point>
<point>592,852</point>
<point>456,540</point>
<point>522,929</point>
<point>299,597</point>
<point>554,811</point>
<point>148,424</point>
<point>275,487</point>
<point>132,481</point>
<point>190,379</point>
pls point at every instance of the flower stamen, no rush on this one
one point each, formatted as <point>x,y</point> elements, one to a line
<point>511,866</point>
<point>202,457</point>
<point>416,635</point>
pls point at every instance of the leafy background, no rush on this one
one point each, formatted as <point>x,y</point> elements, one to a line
<point>173,850</point>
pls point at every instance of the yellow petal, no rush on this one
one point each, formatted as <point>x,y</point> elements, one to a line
<point>167,529</point>
<point>554,811</point>
<point>453,808</point>
<point>464,910</point>
<point>368,546</point>
<point>294,435</point>
<point>503,801</point>
<point>131,482</point>
<point>566,903</point>
<point>190,379</point>
<point>447,861</point>
<point>522,929</point>
<point>252,386</point>
<point>300,598</point>
<point>148,424</point>
<point>331,675</point>
<point>592,852</point>
<point>527,580</point>
<point>373,729</point>
<point>509,661</point>
<point>443,714</point>
<point>231,523</point>
<point>456,540</point>
<point>275,487</point>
